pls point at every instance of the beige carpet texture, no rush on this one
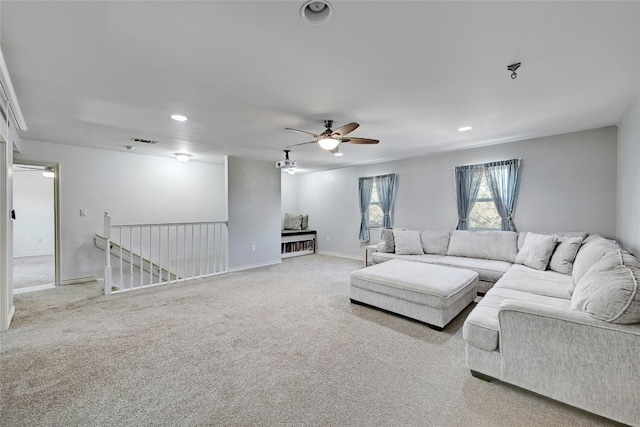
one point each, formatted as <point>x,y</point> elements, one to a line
<point>273,346</point>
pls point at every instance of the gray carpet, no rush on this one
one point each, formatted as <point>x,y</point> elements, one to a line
<point>278,345</point>
<point>33,271</point>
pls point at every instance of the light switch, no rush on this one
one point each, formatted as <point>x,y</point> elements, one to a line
<point>83,212</point>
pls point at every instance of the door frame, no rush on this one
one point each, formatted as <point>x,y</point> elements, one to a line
<point>56,207</point>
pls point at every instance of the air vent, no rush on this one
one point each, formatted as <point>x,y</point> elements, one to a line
<point>144,141</point>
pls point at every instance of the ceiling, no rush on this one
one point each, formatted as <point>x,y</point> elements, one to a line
<point>98,74</point>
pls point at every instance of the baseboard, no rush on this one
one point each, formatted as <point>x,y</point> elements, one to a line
<point>341,255</point>
<point>78,280</point>
<point>252,266</point>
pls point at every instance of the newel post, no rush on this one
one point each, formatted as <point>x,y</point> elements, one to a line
<point>107,253</point>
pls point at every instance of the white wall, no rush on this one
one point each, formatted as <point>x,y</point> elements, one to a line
<point>568,184</point>
<point>33,229</point>
<point>133,188</point>
<point>628,233</point>
<point>254,213</point>
<point>289,196</point>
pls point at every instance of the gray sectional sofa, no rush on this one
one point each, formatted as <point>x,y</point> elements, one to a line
<point>560,315</point>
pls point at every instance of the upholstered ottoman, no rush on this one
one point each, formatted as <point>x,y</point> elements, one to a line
<point>432,294</point>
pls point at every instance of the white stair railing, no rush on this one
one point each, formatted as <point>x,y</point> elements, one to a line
<point>143,255</point>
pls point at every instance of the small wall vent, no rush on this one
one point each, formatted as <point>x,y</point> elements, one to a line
<point>144,141</point>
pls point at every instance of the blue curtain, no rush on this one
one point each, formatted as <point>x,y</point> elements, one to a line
<point>503,179</point>
<point>365,188</point>
<point>467,186</point>
<point>387,193</point>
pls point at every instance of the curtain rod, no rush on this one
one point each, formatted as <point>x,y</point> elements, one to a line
<point>479,164</point>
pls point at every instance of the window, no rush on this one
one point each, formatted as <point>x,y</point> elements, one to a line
<point>375,209</point>
<point>484,215</point>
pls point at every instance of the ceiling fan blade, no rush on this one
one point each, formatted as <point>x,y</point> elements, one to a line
<point>302,131</point>
<point>360,140</point>
<point>345,129</point>
<point>301,143</point>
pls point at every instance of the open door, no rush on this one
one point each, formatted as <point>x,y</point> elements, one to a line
<point>6,235</point>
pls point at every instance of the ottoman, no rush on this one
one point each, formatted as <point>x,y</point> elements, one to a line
<point>430,293</point>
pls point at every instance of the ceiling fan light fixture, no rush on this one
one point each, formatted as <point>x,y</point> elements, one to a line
<point>315,12</point>
<point>328,143</point>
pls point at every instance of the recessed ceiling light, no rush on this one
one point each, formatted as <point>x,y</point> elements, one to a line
<point>179,118</point>
<point>464,129</point>
<point>316,12</point>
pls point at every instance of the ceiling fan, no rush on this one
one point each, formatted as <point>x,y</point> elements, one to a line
<point>331,139</point>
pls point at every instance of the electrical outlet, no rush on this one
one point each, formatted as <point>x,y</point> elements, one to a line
<point>253,248</point>
<point>39,240</point>
<point>83,212</point>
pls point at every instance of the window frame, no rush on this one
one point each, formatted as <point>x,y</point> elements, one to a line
<point>374,203</point>
<point>484,200</point>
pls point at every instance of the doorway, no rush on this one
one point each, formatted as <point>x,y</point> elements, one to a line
<point>35,228</point>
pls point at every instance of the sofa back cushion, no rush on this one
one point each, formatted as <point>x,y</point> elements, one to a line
<point>435,242</point>
<point>536,251</point>
<point>609,289</point>
<point>593,249</point>
<point>496,245</point>
<point>407,242</point>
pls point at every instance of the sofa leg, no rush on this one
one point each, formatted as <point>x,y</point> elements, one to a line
<point>480,376</point>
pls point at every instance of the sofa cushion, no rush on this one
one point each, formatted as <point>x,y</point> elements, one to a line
<point>435,242</point>
<point>407,242</point>
<point>592,250</point>
<point>488,270</point>
<point>536,251</point>
<point>565,254</point>
<point>378,257</point>
<point>389,242</point>
<point>482,327</point>
<point>292,222</point>
<point>546,283</point>
<point>609,290</point>
<point>495,245</point>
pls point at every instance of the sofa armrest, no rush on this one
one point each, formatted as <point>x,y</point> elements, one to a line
<point>572,357</point>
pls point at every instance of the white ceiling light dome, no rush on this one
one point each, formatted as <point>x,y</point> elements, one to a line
<point>328,143</point>
<point>316,12</point>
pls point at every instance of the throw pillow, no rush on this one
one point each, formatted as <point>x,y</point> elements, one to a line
<point>609,290</point>
<point>435,242</point>
<point>407,242</point>
<point>389,243</point>
<point>536,251</point>
<point>305,221</point>
<point>564,255</point>
<point>292,222</point>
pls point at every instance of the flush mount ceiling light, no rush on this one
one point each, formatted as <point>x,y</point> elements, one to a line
<point>465,129</point>
<point>49,172</point>
<point>182,157</point>
<point>179,118</point>
<point>316,12</point>
<point>513,68</point>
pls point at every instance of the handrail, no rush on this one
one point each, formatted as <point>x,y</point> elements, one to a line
<point>154,254</point>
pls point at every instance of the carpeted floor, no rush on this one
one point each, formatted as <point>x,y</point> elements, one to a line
<point>272,346</point>
<point>33,271</point>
